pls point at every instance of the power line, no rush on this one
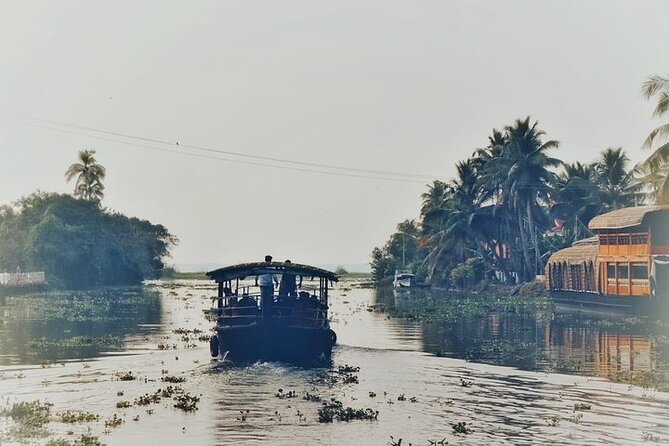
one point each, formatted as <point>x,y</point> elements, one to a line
<point>217,150</point>
<point>219,158</point>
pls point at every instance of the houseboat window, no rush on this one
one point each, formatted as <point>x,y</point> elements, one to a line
<point>624,239</point>
<point>623,271</point>
<point>611,270</point>
<point>639,239</point>
<point>603,239</point>
<point>639,271</point>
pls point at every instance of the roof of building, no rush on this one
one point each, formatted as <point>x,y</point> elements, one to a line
<point>257,268</point>
<point>625,218</point>
<point>580,252</point>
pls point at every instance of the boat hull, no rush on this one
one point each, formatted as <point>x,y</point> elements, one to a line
<point>261,341</point>
<point>640,304</point>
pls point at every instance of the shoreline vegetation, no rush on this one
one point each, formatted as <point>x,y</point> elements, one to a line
<point>75,241</point>
<point>511,205</point>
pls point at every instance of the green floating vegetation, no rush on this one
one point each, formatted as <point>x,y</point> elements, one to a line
<point>30,418</point>
<point>335,410</point>
<point>173,379</point>
<point>582,406</point>
<point>186,402</point>
<point>462,428</point>
<point>284,395</point>
<point>448,308</point>
<point>78,416</point>
<point>107,341</point>
<point>84,440</point>
<point>114,421</point>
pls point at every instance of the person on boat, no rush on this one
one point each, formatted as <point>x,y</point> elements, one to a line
<point>266,282</point>
<point>288,285</point>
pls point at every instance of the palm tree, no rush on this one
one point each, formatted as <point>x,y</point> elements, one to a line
<point>521,172</point>
<point>655,167</point>
<point>617,183</point>
<point>89,176</point>
<point>432,208</point>
<point>577,196</point>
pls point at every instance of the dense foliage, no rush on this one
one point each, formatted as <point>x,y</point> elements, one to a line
<point>79,244</point>
<point>510,206</point>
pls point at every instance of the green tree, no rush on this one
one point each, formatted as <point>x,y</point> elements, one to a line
<point>577,198</point>
<point>89,176</point>
<point>656,166</point>
<point>521,172</point>
<point>80,245</point>
<point>618,187</point>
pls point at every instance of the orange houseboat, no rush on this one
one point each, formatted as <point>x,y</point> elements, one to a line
<point>625,264</point>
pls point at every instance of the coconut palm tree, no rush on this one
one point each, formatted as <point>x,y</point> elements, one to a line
<point>89,175</point>
<point>616,181</point>
<point>656,166</point>
<point>433,205</point>
<point>522,173</point>
<point>577,197</point>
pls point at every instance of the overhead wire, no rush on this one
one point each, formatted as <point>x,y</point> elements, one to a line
<point>284,163</point>
<point>220,158</point>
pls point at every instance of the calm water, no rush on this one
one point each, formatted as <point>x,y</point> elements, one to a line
<point>522,375</point>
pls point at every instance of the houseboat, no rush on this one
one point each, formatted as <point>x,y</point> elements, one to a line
<point>291,324</point>
<point>625,264</point>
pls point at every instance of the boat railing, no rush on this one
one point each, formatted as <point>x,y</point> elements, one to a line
<point>297,316</point>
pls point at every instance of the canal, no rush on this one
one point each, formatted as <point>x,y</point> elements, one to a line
<point>517,376</point>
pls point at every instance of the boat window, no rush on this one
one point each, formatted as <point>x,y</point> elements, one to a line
<point>623,271</point>
<point>611,270</point>
<point>624,239</point>
<point>639,271</point>
<point>639,239</point>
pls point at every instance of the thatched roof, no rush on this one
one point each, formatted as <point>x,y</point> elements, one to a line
<point>582,251</point>
<point>255,269</point>
<point>625,218</point>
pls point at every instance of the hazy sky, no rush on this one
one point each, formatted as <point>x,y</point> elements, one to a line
<point>388,85</point>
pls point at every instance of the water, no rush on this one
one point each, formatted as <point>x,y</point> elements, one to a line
<point>513,377</point>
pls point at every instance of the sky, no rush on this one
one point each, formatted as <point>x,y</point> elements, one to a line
<point>393,86</point>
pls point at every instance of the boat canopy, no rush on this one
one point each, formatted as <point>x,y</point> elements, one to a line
<point>243,270</point>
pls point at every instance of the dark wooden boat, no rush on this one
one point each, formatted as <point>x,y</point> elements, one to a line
<point>291,324</point>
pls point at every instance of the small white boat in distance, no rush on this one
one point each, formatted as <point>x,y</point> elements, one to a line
<point>404,279</point>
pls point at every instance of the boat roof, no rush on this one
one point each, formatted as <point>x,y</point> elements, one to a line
<point>243,270</point>
<point>626,217</point>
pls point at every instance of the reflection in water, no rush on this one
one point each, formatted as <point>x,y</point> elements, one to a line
<point>55,326</point>
<point>568,341</point>
<point>419,396</point>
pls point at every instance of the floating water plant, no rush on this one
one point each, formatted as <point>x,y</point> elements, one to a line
<point>582,406</point>
<point>114,421</point>
<point>283,395</point>
<point>30,418</point>
<point>173,379</point>
<point>311,397</point>
<point>186,402</point>
<point>125,376</point>
<point>335,410</point>
<point>123,404</point>
<point>78,417</point>
<point>462,428</point>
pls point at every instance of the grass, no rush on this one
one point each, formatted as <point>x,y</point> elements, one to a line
<point>177,275</point>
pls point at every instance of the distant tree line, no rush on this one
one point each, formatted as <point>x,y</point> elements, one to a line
<point>77,242</point>
<point>512,204</point>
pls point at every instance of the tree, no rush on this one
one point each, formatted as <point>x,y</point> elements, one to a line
<point>521,174</point>
<point>89,175</point>
<point>616,181</point>
<point>578,197</point>
<point>656,166</point>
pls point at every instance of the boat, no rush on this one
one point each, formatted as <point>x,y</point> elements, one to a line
<point>625,264</point>
<point>290,325</point>
<point>404,279</point>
